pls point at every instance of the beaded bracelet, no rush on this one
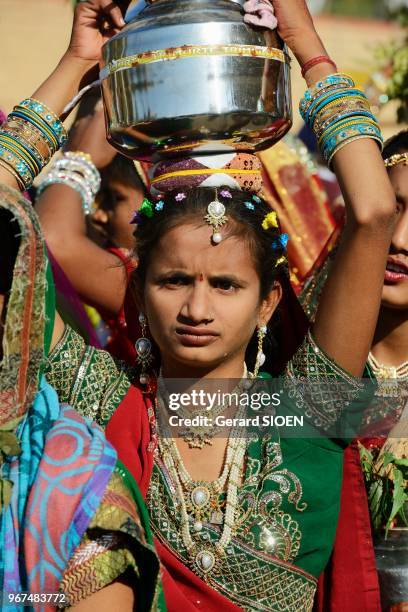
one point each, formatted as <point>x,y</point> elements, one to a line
<point>75,170</point>
<point>339,114</point>
<point>28,139</point>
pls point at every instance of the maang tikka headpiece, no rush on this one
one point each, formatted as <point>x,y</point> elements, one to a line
<point>216,218</point>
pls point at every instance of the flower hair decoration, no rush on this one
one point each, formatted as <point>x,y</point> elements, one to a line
<point>270,221</point>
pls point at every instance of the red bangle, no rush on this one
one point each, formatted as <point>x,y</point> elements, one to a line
<point>320,59</point>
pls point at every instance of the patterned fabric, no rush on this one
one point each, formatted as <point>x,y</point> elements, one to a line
<point>63,470</point>
<point>25,327</point>
<point>55,465</point>
<point>288,501</point>
<point>114,543</point>
<point>254,573</point>
<point>293,188</point>
<point>87,378</point>
<point>322,394</point>
<point>236,170</point>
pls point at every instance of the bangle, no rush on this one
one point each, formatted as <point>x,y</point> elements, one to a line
<point>28,139</point>
<point>338,114</point>
<point>320,59</point>
<point>75,170</point>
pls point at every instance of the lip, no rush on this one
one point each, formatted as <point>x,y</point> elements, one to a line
<point>195,336</point>
<point>396,271</point>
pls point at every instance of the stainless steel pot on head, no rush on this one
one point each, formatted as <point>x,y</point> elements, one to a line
<point>189,72</point>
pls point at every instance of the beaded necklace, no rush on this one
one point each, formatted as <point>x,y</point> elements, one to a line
<point>199,500</point>
<point>383,371</point>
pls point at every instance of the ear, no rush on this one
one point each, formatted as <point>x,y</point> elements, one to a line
<point>100,217</point>
<point>269,304</point>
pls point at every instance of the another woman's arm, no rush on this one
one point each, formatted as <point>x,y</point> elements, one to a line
<point>101,282</point>
<point>116,596</point>
<point>74,71</point>
<point>348,310</point>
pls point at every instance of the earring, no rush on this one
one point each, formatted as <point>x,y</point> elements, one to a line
<point>260,356</point>
<point>144,350</point>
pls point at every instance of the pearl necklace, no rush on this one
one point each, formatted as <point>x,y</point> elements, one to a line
<point>383,371</point>
<point>197,496</point>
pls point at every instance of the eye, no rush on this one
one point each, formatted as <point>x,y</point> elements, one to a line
<point>225,284</point>
<point>174,280</point>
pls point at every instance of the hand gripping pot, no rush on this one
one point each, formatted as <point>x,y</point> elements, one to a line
<point>188,73</point>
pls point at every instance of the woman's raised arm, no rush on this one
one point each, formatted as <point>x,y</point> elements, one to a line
<point>349,306</point>
<point>95,21</point>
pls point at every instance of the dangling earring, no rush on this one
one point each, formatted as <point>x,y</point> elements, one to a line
<point>260,356</point>
<point>144,350</point>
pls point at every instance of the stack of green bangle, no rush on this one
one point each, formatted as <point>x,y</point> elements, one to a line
<point>338,113</point>
<point>28,140</point>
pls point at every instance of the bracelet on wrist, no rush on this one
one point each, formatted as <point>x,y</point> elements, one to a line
<point>315,61</point>
<point>28,139</point>
<point>77,171</point>
<point>338,114</point>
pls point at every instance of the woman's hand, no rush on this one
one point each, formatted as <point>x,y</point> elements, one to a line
<point>95,22</point>
<point>294,24</point>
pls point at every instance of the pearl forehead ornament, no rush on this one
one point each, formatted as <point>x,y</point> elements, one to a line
<point>216,218</point>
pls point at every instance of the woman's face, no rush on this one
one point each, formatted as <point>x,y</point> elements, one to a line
<point>202,301</point>
<point>395,291</point>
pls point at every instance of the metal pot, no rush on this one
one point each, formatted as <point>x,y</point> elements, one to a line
<point>184,73</point>
<point>392,565</point>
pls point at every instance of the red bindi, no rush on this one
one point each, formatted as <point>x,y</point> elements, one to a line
<point>201,277</point>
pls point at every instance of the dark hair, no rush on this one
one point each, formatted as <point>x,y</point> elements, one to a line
<point>396,144</point>
<point>264,245</point>
<point>120,170</point>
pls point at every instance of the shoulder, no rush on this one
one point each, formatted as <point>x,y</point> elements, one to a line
<point>89,379</point>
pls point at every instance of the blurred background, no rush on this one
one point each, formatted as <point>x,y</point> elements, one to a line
<point>367,38</point>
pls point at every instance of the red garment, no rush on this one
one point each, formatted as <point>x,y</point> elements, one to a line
<point>350,581</point>
<point>119,344</point>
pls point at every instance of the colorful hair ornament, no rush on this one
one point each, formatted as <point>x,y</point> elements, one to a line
<point>159,205</point>
<point>180,196</point>
<point>280,242</point>
<point>225,193</point>
<point>270,220</point>
<point>249,205</point>
<point>280,261</point>
<point>146,208</point>
<point>256,199</point>
<point>137,217</point>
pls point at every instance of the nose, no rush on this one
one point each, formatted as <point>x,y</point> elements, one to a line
<point>399,241</point>
<point>197,305</point>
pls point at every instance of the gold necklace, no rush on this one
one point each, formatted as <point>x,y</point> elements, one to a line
<point>388,377</point>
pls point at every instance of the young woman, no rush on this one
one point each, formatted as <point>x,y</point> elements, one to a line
<point>239,523</point>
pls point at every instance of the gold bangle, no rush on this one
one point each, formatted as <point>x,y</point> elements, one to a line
<point>11,171</point>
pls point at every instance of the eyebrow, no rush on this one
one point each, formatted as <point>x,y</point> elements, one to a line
<point>214,277</point>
